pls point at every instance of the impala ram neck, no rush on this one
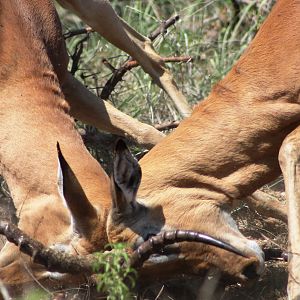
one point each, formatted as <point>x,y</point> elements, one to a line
<point>228,148</point>
<point>222,152</point>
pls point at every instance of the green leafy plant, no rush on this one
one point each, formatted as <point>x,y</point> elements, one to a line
<point>117,278</point>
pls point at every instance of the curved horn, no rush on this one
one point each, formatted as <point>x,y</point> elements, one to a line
<point>156,243</point>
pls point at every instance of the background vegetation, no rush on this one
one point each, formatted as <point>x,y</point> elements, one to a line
<point>213,32</point>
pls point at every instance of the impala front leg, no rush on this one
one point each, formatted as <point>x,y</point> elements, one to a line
<point>289,158</point>
<point>88,108</point>
<point>100,15</point>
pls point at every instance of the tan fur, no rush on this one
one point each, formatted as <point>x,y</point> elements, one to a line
<point>33,119</point>
<point>229,147</point>
<point>34,116</point>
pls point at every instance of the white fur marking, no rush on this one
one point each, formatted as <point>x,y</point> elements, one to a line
<point>229,220</point>
<point>60,183</point>
<point>249,244</point>
<point>60,187</point>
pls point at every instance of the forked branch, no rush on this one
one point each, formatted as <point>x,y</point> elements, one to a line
<point>51,259</point>
<point>127,66</point>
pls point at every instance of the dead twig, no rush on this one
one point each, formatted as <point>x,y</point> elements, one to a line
<point>167,126</point>
<point>108,65</point>
<point>77,54</point>
<point>127,66</point>
<point>163,28</point>
<point>76,32</point>
<point>53,260</point>
<point>130,64</point>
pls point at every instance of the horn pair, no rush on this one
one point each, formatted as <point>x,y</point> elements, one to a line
<point>57,261</point>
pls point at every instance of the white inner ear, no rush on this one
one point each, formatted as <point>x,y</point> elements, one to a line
<point>60,187</point>
<point>60,182</point>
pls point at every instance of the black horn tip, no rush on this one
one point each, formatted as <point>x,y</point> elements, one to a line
<point>61,158</point>
<point>157,243</point>
<point>58,148</point>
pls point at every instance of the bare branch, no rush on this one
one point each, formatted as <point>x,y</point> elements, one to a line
<point>75,32</point>
<point>108,65</point>
<point>77,54</point>
<point>127,66</point>
<point>162,29</point>
<point>51,259</point>
<point>133,63</point>
<point>167,126</point>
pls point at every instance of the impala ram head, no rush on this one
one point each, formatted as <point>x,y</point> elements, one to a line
<point>130,220</point>
<point>135,222</point>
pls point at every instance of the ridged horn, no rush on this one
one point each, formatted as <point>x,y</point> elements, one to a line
<point>156,243</point>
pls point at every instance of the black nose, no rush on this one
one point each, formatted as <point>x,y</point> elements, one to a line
<point>250,271</point>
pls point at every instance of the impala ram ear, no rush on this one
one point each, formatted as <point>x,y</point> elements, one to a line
<point>82,211</point>
<point>126,179</point>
